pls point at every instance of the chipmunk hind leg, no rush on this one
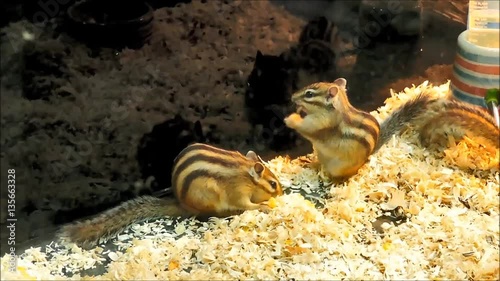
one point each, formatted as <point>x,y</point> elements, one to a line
<point>204,197</point>
<point>338,166</point>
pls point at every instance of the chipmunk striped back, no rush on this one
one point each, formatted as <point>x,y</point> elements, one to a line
<point>202,161</point>
<point>450,118</point>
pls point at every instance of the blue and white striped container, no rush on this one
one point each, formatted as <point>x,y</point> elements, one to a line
<point>476,69</point>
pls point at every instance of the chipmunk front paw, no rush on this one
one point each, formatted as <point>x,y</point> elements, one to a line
<point>264,207</point>
<point>314,165</point>
<point>293,120</point>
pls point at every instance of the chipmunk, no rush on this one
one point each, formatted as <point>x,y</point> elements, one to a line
<point>446,117</point>
<point>344,137</point>
<point>206,180</point>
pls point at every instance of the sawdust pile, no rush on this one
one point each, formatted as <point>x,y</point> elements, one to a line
<point>452,230</point>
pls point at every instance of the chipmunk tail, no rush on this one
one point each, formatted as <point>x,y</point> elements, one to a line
<point>89,233</point>
<point>401,117</point>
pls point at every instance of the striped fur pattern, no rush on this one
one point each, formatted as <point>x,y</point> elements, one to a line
<point>457,119</point>
<point>343,137</point>
<point>211,181</point>
<point>207,181</point>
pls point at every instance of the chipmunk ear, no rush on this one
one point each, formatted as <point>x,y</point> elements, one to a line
<point>252,155</point>
<point>341,82</point>
<point>332,92</point>
<point>257,170</point>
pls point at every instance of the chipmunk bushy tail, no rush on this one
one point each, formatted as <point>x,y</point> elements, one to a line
<point>89,232</point>
<point>405,114</point>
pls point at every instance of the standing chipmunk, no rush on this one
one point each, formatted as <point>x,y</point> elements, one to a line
<point>344,137</point>
<point>207,181</point>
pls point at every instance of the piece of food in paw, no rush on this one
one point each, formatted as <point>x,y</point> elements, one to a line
<point>264,207</point>
<point>272,203</point>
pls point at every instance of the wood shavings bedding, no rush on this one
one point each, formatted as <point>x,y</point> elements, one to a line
<point>452,230</point>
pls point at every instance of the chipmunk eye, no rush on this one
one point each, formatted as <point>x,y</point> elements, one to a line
<point>309,94</point>
<point>273,184</point>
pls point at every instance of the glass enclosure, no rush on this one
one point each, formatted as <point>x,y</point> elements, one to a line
<point>98,98</point>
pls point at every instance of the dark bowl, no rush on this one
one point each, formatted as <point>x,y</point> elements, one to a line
<point>111,23</point>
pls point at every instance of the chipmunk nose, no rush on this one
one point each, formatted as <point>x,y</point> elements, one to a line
<point>279,191</point>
